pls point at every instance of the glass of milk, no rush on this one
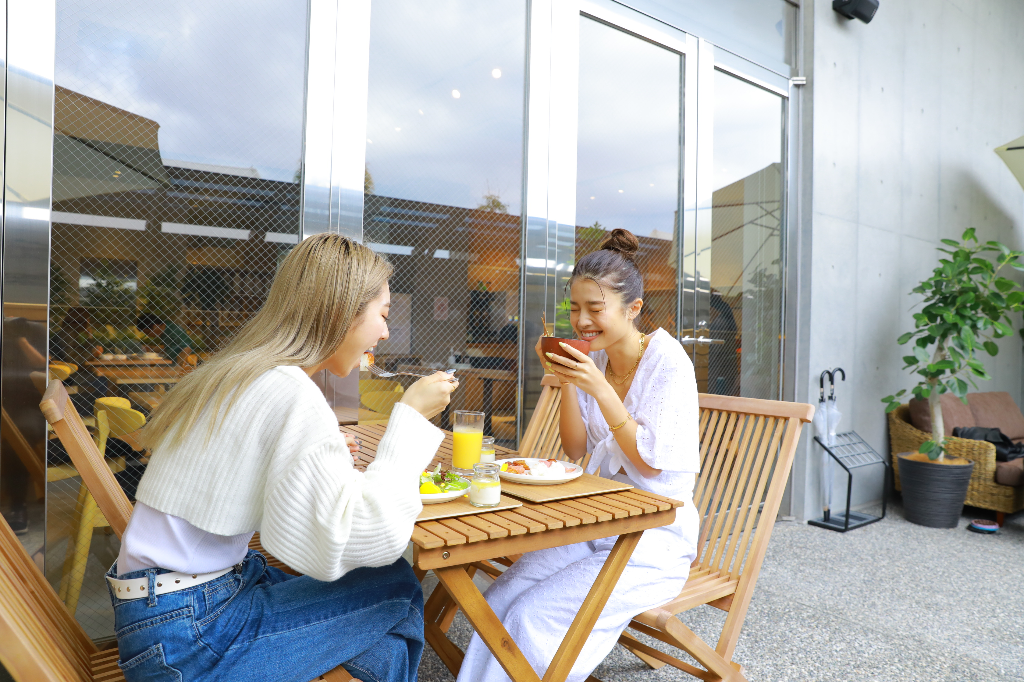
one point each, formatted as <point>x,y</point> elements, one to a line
<point>487,449</point>
<point>485,486</point>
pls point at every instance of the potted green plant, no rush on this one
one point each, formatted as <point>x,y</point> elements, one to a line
<point>967,304</point>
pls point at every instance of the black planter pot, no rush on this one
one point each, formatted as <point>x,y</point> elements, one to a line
<point>933,494</point>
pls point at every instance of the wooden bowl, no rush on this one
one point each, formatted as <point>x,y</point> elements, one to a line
<point>549,344</point>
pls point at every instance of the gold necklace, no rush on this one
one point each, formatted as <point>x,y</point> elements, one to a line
<point>615,377</point>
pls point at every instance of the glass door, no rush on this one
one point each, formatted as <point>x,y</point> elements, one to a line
<point>630,156</point>
<point>738,315</point>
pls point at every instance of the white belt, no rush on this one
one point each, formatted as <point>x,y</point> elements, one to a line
<point>137,588</point>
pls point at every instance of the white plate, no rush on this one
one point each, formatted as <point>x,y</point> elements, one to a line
<point>437,498</point>
<point>574,472</point>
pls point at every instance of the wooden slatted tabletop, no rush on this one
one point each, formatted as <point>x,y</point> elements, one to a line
<point>454,548</point>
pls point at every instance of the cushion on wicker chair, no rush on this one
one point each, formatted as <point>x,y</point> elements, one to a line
<point>997,409</point>
<point>954,413</point>
<point>1010,473</point>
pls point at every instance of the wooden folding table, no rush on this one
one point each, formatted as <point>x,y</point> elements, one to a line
<point>455,547</point>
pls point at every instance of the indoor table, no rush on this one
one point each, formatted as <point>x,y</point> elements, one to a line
<point>128,362</point>
<point>139,375</point>
<point>455,547</point>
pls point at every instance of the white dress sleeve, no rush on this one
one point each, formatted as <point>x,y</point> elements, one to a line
<point>667,415</point>
<point>325,518</point>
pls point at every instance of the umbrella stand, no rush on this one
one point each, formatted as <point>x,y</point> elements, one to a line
<point>852,453</point>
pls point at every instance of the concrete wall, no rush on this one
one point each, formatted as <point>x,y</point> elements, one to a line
<point>906,112</point>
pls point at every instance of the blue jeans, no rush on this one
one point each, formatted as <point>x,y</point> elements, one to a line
<point>257,622</point>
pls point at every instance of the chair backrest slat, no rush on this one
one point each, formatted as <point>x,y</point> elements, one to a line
<point>39,640</point>
<point>90,463</point>
<point>730,473</point>
<point>712,478</point>
<point>738,480</point>
<point>542,438</point>
<point>750,506</point>
<point>747,450</point>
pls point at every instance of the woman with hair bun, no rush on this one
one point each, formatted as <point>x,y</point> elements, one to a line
<point>632,403</point>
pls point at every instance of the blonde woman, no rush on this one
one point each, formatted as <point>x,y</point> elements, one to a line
<point>247,442</point>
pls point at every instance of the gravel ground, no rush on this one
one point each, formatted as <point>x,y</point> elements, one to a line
<point>890,601</point>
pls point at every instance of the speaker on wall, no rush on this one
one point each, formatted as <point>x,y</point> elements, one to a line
<point>856,9</point>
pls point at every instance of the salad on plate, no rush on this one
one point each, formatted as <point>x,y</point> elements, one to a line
<point>435,482</point>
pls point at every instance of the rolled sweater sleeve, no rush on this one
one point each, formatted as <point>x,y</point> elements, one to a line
<point>325,518</point>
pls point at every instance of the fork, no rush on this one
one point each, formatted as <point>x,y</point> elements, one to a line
<point>377,371</point>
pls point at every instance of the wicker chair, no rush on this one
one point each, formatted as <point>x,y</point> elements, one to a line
<point>983,491</point>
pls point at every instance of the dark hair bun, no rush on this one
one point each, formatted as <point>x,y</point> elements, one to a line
<point>622,241</point>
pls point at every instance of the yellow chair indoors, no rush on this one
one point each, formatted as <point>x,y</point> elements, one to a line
<point>114,419</point>
<point>380,395</point>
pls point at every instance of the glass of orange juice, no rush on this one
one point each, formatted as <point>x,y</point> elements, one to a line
<point>468,436</point>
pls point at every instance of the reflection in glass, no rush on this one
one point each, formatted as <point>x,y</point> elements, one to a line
<point>745,313</point>
<point>177,140</point>
<point>443,194</point>
<point>628,156</point>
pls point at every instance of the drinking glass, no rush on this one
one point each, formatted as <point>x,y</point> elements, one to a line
<point>467,438</point>
<point>485,486</point>
<point>487,451</point>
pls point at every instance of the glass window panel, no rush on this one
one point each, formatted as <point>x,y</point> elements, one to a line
<point>178,137</point>
<point>745,313</point>
<point>443,194</point>
<point>763,31</point>
<point>628,156</point>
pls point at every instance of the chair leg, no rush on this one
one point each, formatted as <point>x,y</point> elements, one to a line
<point>69,553</point>
<point>634,646</point>
<point>689,642</point>
<point>1000,518</point>
<point>83,542</point>
<point>627,640</point>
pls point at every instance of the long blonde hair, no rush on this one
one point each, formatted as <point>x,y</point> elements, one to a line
<point>322,288</point>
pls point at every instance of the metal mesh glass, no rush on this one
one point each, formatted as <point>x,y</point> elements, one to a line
<point>628,157</point>
<point>745,317</point>
<point>177,147</point>
<point>443,198</point>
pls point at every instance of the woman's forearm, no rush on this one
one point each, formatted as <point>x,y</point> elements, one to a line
<point>615,413</point>
<point>570,424</point>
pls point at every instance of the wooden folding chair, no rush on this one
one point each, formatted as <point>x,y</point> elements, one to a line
<point>113,503</point>
<point>746,448</point>
<point>542,438</point>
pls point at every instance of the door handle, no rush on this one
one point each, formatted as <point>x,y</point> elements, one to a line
<point>702,340</point>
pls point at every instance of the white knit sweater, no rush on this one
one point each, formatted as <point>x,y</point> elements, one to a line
<point>277,463</point>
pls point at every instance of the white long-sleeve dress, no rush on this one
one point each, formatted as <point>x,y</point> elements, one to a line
<point>538,597</point>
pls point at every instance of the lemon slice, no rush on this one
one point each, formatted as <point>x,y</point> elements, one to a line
<point>429,488</point>
<point>504,466</point>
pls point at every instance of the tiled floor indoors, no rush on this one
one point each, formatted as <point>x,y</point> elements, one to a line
<point>890,601</point>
